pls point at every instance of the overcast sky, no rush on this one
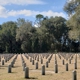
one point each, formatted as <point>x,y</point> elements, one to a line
<point>11,10</point>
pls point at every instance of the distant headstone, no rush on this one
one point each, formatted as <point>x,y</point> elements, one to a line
<point>47,64</point>
<point>2,62</point>
<point>66,66</point>
<point>63,62</point>
<point>75,65</point>
<point>56,68</point>
<point>74,77</point>
<point>26,72</point>
<point>36,65</point>
<point>9,69</point>
<point>43,70</point>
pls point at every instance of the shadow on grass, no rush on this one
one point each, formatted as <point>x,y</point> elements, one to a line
<point>2,68</point>
<point>16,66</point>
<point>31,78</point>
<point>13,72</point>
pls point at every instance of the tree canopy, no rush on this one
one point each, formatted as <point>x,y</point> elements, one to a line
<point>51,33</point>
<point>73,10</point>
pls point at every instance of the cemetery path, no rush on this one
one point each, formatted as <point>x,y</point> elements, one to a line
<point>17,70</point>
<point>18,61</point>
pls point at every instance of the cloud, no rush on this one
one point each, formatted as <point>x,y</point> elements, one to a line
<point>70,0</point>
<point>3,12</point>
<point>51,13</point>
<point>21,2</point>
<point>13,13</point>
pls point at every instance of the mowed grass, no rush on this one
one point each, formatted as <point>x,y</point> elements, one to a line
<point>35,74</point>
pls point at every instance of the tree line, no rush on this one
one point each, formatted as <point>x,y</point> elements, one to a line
<point>51,33</point>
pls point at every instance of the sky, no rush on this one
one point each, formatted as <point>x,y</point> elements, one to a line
<point>11,10</point>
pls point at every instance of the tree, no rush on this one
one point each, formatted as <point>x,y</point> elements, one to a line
<point>73,8</point>
<point>53,28</point>
<point>20,22</point>
<point>7,35</point>
<point>24,35</point>
<point>39,18</point>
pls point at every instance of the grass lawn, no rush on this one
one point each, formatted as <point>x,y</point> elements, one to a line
<point>35,74</point>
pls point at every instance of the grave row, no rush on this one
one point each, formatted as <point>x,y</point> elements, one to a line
<point>36,58</point>
<point>33,58</point>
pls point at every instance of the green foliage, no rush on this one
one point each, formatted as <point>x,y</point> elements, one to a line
<point>73,9</point>
<point>55,27</point>
<point>6,49</point>
<point>22,36</point>
<point>7,35</point>
<point>26,46</point>
<point>39,18</point>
